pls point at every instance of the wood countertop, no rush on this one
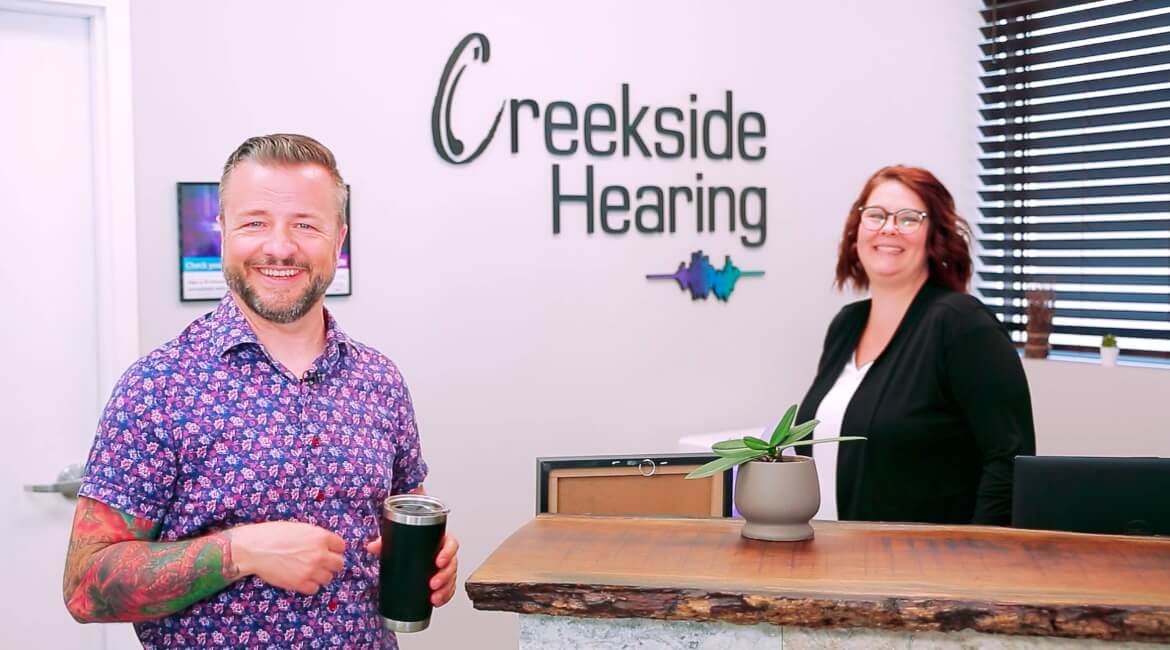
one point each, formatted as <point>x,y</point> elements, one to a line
<point>852,574</point>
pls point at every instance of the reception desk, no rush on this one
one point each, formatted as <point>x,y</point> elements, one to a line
<point>604,582</point>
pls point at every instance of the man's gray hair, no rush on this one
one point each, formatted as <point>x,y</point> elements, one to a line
<point>286,149</point>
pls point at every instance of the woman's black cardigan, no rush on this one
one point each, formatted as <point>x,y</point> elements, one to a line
<point>945,408</point>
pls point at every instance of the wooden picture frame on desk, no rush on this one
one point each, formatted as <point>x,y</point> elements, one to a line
<point>631,485</point>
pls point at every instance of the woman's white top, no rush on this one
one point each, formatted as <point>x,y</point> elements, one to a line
<point>831,412</point>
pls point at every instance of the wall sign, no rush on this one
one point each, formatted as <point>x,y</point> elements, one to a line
<point>693,130</point>
<point>584,196</point>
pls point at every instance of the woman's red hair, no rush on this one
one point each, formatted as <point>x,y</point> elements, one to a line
<point>948,252</point>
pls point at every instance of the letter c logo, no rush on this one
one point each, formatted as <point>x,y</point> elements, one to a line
<point>449,147</point>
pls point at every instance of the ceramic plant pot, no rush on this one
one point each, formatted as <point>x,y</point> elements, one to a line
<point>777,500</point>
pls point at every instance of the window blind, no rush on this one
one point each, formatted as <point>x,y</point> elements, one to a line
<point>1075,167</point>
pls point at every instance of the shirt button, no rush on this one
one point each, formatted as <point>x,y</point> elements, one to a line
<point>320,496</point>
<point>316,442</point>
<point>333,605</point>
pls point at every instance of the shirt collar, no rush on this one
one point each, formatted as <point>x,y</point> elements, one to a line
<point>231,330</point>
<point>335,339</point>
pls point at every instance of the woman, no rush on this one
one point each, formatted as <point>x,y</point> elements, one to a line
<point>922,369</point>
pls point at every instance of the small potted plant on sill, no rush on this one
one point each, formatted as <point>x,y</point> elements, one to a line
<point>777,494</point>
<point>1109,350</point>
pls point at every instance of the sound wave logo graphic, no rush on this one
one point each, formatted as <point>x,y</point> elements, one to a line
<point>702,279</point>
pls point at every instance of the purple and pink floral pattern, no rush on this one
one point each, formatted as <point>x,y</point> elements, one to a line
<point>208,432</point>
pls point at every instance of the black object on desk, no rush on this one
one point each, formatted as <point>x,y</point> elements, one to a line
<point>1090,494</point>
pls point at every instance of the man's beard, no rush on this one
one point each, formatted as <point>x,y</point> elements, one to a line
<point>289,313</point>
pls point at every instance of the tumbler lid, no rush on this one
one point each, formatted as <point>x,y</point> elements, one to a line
<point>415,510</point>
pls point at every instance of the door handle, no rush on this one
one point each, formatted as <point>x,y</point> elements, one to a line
<point>67,484</point>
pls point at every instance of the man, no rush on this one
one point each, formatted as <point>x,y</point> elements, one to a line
<point>233,494</point>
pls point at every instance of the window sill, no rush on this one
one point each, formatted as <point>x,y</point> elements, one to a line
<point>1123,361</point>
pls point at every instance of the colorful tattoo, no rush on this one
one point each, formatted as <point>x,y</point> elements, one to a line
<point>114,572</point>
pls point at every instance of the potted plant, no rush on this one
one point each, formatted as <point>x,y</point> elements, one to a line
<point>777,494</point>
<point>1109,350</point>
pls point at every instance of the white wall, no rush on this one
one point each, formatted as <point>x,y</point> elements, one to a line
<point>1083,409</point>
<point>519,344</point>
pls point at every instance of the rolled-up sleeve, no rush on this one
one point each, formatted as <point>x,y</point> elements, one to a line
<point>410,470</point>
<point>132,465</point>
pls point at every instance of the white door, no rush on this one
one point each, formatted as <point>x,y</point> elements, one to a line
<point>55,340</point>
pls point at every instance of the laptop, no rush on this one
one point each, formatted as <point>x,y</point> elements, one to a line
<point>1083,494</point>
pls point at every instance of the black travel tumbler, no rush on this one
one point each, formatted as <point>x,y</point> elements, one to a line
<point>412,530</point>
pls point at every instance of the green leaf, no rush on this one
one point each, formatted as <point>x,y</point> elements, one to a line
<point>818,441</point>
<point>727,453</point>
<point>729,445</point>
<point>752,442</point>
<point>723,464</point>
<point>785,423</point>
<point>801,431</point>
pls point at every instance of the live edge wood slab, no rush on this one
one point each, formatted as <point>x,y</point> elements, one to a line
<point>884,576</point>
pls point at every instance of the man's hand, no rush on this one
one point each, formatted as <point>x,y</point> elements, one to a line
<point>443,582</point>
<point>288,554</point>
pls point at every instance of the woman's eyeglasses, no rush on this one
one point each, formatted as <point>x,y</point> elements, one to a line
<point>906,220</point>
